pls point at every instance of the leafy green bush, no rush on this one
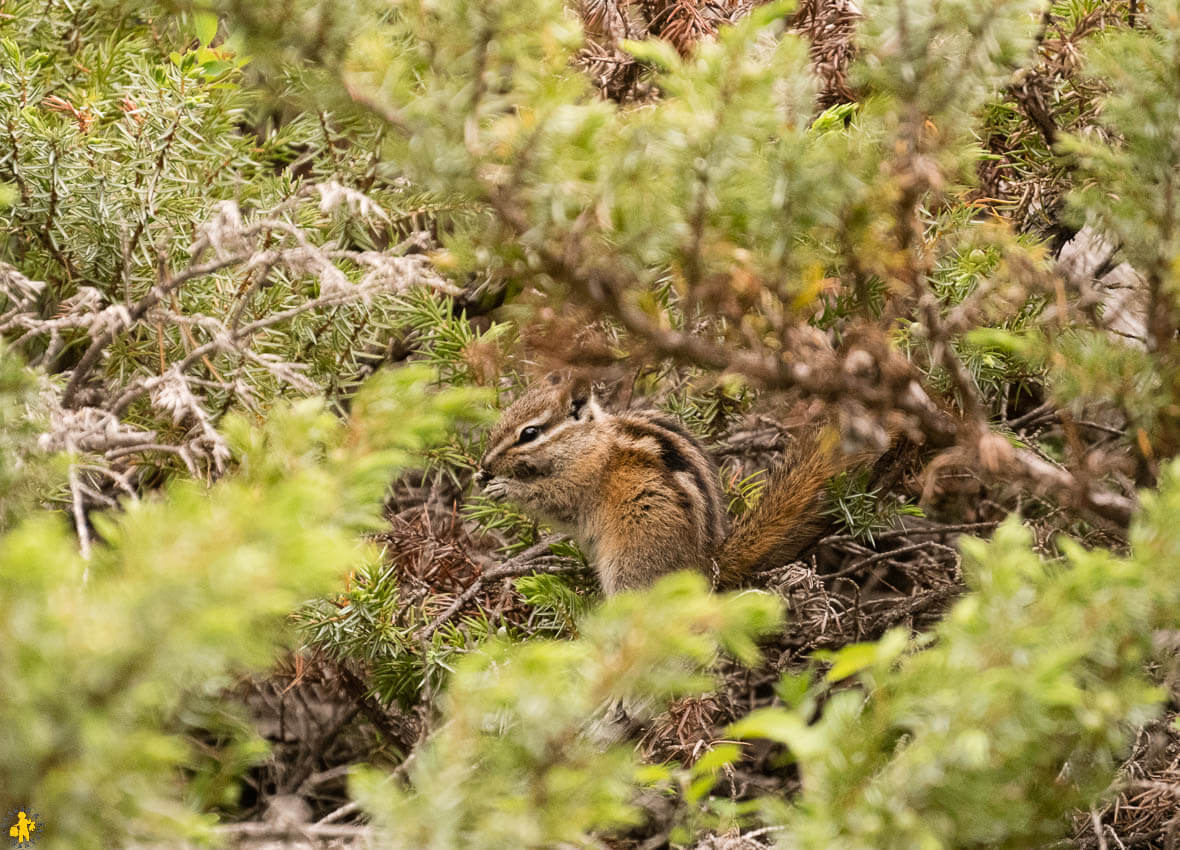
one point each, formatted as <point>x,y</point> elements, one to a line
<point>1017,708</point>
<point>182,255</point>
<point>516,762</point>
<point>174,253</point>
<point>183,592</point>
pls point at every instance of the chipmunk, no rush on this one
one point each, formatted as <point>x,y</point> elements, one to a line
<point>639,493</point>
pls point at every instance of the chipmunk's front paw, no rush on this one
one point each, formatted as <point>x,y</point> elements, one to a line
<point>496,489</point>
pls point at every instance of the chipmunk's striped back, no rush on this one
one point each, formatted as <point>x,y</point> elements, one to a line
<point>686,494</point>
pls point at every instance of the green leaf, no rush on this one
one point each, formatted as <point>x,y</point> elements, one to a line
<point>216,68</point>
<point>718,757</point>
<point>783,727</point>
<point>851,660</point>
<point>654,51</point>
<point>206,24</point>
<point>793,687</point>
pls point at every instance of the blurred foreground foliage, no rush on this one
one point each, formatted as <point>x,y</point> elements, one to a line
<point>517,763</point>
<point>182,592</point>
<point>988,730</point>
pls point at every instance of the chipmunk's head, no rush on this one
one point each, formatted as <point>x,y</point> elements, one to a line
<point>541,431</point>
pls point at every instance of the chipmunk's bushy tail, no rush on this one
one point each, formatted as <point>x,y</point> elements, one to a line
<point>790,515</point>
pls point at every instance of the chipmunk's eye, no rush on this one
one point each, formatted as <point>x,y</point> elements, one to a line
<point>528,435</point>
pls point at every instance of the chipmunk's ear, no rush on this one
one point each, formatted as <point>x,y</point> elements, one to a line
<point>583,405</point>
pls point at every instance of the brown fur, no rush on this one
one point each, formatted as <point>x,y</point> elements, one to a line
<point>790,513</point>
<point>641,495</point>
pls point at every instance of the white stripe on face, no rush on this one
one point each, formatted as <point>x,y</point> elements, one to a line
<point>546,436</point>
<point>510,441</point>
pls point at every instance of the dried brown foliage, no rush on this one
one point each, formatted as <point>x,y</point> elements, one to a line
<point>828,25</point>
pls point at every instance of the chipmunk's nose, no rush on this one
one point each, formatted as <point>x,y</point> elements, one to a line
<point>482,477</point>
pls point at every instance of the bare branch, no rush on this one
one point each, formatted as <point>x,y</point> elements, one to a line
<point>531,560</point>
